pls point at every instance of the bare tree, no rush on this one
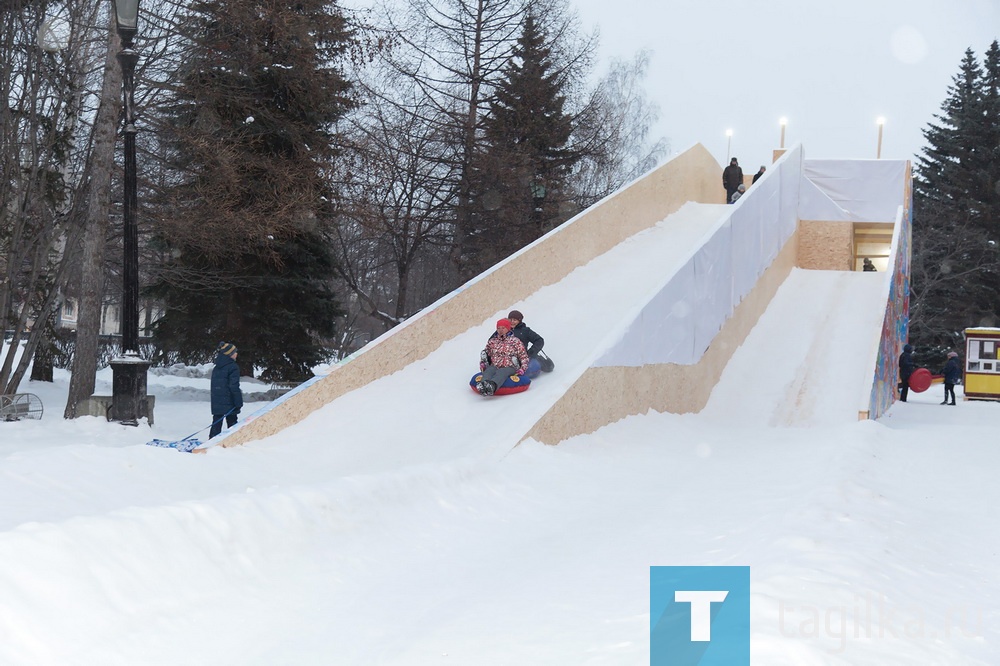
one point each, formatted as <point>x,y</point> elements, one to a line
<point>421,200</point>
<point>94,242</point>
<point>44,87</point>
<point>455,51</point>
<point>396,203</point>
<point>614,130</point>
<point>102,229</point>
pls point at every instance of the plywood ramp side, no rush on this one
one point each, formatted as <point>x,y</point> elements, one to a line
<point>691,176</point>
<point>604,395</point>
<point>826,246</point>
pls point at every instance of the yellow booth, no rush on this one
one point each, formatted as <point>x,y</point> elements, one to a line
<point>982,364</point>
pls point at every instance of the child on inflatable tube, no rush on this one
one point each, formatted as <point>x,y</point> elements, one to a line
<point>504,357</point>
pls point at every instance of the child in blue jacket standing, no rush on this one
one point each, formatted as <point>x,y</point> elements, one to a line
<point>227,398</point>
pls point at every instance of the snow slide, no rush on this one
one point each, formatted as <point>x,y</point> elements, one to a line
<point>802,356</point>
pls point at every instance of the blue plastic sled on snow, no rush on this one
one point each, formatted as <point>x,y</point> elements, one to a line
<point>186,445</point>
<point>189,443</point>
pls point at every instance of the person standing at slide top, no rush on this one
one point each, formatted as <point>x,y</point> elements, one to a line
<point>732,178</point>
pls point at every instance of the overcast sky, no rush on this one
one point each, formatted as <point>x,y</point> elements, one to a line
<point>830,68</point>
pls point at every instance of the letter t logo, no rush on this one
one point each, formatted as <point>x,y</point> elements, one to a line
<point>701,610</point>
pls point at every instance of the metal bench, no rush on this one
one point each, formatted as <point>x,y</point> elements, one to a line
<point>17,406</point>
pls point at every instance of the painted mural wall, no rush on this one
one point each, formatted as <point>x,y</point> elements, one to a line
<point>895,325</point>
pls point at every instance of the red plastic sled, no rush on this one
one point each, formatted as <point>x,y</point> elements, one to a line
<point>920,380</point>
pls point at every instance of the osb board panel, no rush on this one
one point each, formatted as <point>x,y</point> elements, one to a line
<point>692,176</point>
<point>605,395</point>
<point>826,245</point>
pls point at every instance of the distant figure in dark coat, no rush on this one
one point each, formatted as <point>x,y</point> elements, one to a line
<point>906,368</point>
<point>757,175</point>
<point>867,266</point>
<point>952,375</point>
<point>532,342</point>
<point>732,178</point>
<point>227,398</point>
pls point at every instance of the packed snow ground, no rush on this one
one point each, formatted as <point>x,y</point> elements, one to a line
<point>868,542</point>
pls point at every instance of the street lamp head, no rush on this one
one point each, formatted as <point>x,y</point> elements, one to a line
<point>729,132</point>
<point>783,121</point>
<point>127,17</point>
<point>880,121</point>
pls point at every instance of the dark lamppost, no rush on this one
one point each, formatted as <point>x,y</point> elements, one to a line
<point>128,400</point>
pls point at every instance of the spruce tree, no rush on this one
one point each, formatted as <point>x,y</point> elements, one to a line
<point>951,142</point>
<point>243,224</point>
<point>990,138</point>
<point>956,264</point>
<point>527,158</point>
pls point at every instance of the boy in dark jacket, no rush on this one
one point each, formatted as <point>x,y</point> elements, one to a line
<point>952,375</point>
<point>532,342</point>
<point>227,398</point>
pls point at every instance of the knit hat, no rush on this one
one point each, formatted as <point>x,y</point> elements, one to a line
<point>227,348</point>
<point>952,354</point>
<point>516,314</point>
<point>505,323</point>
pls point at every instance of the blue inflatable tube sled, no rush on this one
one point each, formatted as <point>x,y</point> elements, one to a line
<point>515,384</point>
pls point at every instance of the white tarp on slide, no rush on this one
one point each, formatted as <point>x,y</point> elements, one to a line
<point>851,190</point>
<point>680,321</point>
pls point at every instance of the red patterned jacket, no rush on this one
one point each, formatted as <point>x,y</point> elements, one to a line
<point>502,350</point>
